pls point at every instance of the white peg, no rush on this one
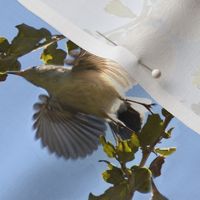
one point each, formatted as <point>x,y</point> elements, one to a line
<point>156,73</point>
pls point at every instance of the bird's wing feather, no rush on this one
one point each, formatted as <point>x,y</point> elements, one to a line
<point>87,61</point>
<point>65,133</point>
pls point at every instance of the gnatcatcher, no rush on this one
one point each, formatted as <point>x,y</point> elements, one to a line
<point>81,100</point>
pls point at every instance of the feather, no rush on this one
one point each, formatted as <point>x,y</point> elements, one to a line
<point>67,134</point>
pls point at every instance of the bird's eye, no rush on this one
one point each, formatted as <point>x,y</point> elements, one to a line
<point>34,67</point>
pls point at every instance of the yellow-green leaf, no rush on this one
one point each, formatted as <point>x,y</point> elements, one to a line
<point>134,142</point>
<point>124,151</point>
<point>165,151</point>
<point>108,148</point>
<point>46,57</point>
<point>123,147</point>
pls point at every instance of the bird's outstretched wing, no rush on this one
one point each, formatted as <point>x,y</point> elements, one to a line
<point>67,134</point>
<point>87,61</point>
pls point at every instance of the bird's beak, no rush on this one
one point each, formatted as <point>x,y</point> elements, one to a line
<point>18,73</point>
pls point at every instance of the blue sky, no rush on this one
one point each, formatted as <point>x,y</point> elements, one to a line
<point>28,172</point>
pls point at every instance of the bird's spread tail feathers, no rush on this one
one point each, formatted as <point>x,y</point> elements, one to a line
<point>131,114</point>
<point>130,118</point>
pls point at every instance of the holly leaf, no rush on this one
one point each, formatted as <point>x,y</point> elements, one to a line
<point>52,55</point>
<point>141,179</point>
<point>27,39</point>
<point>165,151</point>
<point>156,166</point>
<point>114,175</point>
<point>118,192</point>
<point>9,63</point>
<point>151,131</point>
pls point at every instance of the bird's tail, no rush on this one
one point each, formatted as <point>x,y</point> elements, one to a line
<point>131,115</point>
<point>130,118</point>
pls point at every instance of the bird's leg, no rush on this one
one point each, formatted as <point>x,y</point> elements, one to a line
<point>147,106</point>
<point>114,126</point>
<point>116,121</point>
<point>115,136</point>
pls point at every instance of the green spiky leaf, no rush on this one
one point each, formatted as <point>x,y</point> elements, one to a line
<point>118,192</point>
<point>141,179</point>
<point>114,175</point>
<point>53,55</point>
<point>9,63</point>
<point>27,39</point>
<point>151,131</point>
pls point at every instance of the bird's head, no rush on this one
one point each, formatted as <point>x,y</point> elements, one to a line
<point>41,76</point>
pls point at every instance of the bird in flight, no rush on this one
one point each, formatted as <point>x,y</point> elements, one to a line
<point>81,101</point>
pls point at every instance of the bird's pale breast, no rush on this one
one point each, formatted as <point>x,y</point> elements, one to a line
<point>90,92</point>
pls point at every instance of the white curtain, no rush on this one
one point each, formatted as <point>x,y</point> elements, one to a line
<point>161,34</point>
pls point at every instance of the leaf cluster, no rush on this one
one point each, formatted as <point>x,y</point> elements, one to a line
<point>127,180</point>
<point>27,40</point>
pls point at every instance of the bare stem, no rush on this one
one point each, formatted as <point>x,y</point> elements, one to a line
<point>55,38</point>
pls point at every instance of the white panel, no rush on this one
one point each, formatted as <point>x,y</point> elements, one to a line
<point>162,34</point>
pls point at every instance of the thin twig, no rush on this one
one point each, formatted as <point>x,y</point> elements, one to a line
<point>55,38</point>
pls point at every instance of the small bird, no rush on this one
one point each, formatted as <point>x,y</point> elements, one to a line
<point>81,100</point>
